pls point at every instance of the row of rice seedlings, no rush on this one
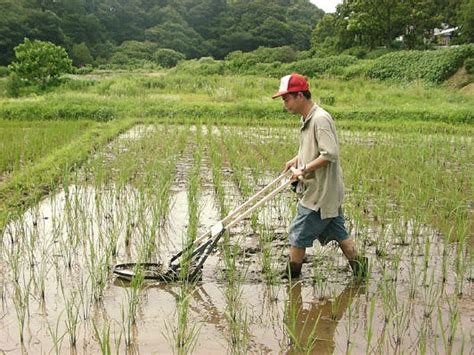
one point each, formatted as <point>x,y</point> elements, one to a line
<point>184,334</point>
<point>100,245</point>
<point>240,170</point>
<point>72,307</point>
<point>149,213</point>
<point>154,187</point>
<point>129,311</point>
<point>235,312</point>
<point>216,162</point>
<point>414,203</point>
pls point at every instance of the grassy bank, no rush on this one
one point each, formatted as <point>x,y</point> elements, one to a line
<point>28,186</point>
<point>160,95</point>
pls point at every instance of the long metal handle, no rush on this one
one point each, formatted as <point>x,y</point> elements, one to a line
<point>237,215</point>
<point>254,197</point>
<point>237,210</point>
<point>211,242</point>
<point>244,214</point>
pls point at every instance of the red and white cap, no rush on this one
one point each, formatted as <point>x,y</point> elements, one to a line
<point>291,83</point>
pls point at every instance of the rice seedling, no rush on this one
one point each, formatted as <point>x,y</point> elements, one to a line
<point>129,318</point>
<point>370,325</point>
<point>71,307</point>
<point>103,338</point>
<point>21,300</point>
<point>56,337</point>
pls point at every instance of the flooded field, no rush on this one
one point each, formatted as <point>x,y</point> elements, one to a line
<point>143,197</point>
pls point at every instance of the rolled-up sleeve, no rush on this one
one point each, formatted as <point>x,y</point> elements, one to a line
<point>328,147</point>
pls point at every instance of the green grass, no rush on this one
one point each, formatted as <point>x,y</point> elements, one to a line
<point>167,95</point>
<point>24,143</point>
<point>29,185</point>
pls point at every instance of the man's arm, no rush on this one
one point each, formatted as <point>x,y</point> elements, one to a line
<point>317,163</point>
<point>293,162</point>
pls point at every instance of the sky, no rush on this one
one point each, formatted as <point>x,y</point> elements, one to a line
<point>327,5</point>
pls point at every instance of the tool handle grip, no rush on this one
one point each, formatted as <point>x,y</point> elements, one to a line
<point>293,169</point>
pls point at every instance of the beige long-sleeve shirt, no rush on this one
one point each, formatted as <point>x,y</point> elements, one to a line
<point>323,188</point>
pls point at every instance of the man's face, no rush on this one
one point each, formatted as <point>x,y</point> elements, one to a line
<point>292,103</point>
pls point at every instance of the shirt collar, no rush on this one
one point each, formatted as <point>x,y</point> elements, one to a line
<point>308,118</point>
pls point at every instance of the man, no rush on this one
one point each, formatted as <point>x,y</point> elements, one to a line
<point>319,213</point>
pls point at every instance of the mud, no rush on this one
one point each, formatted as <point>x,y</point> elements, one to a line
<point>61,243</point>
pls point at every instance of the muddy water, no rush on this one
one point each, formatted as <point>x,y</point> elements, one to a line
<point>61,244</point>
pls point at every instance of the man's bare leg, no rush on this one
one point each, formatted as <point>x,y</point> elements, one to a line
<point>297,254</point>
<point>359,264</point>
<point>293,269</point>
<point>349,248</point>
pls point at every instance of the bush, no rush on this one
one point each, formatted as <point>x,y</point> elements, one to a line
<point>13,85</point>
<point>358,52</point>
<point>469,65</point>
<point>3,71</point>
<point>430,66</point>
<point>241,62</point>
<point>318,66</point>
<point>132,55</point>
<point>84,70</point>
<point>41,63</point>
<point>359,69</point>
<point>203,66</point>
<point>376,53</point>
<point>81,55</point>
<point>167,58</point>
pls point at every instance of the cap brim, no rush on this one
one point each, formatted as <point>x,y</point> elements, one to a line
<point>278,94</point>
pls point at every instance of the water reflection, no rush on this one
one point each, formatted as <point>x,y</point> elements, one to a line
<point>311,329</point>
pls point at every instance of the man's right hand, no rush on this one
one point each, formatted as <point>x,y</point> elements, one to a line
<point>293,162</point>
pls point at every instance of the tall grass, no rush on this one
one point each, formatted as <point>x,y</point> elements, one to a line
<point>24,143</point>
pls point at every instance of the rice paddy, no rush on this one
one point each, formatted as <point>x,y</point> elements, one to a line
<point>156,187</point>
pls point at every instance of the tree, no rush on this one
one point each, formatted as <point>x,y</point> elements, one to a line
<point>324,31</point>
<point>44,26</point>
<point>81,55</point>
<point>466,20</point>
<point>40,63</point>
<point>167,58</point>
<point>132,51</point>
<point>372,23</point>
<point>179,37</point>
<point>12,29</point>
<point>421,19</point>
<point>272,33</point>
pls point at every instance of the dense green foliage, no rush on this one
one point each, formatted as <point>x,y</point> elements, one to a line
<point>318,66</point>
<point>40,63</point>
<point>469,65</point>
<point>372,23</point>
<point>195,28</point>
<point>167,58</point>
<point>127,33</point>
<point>431,66</point>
